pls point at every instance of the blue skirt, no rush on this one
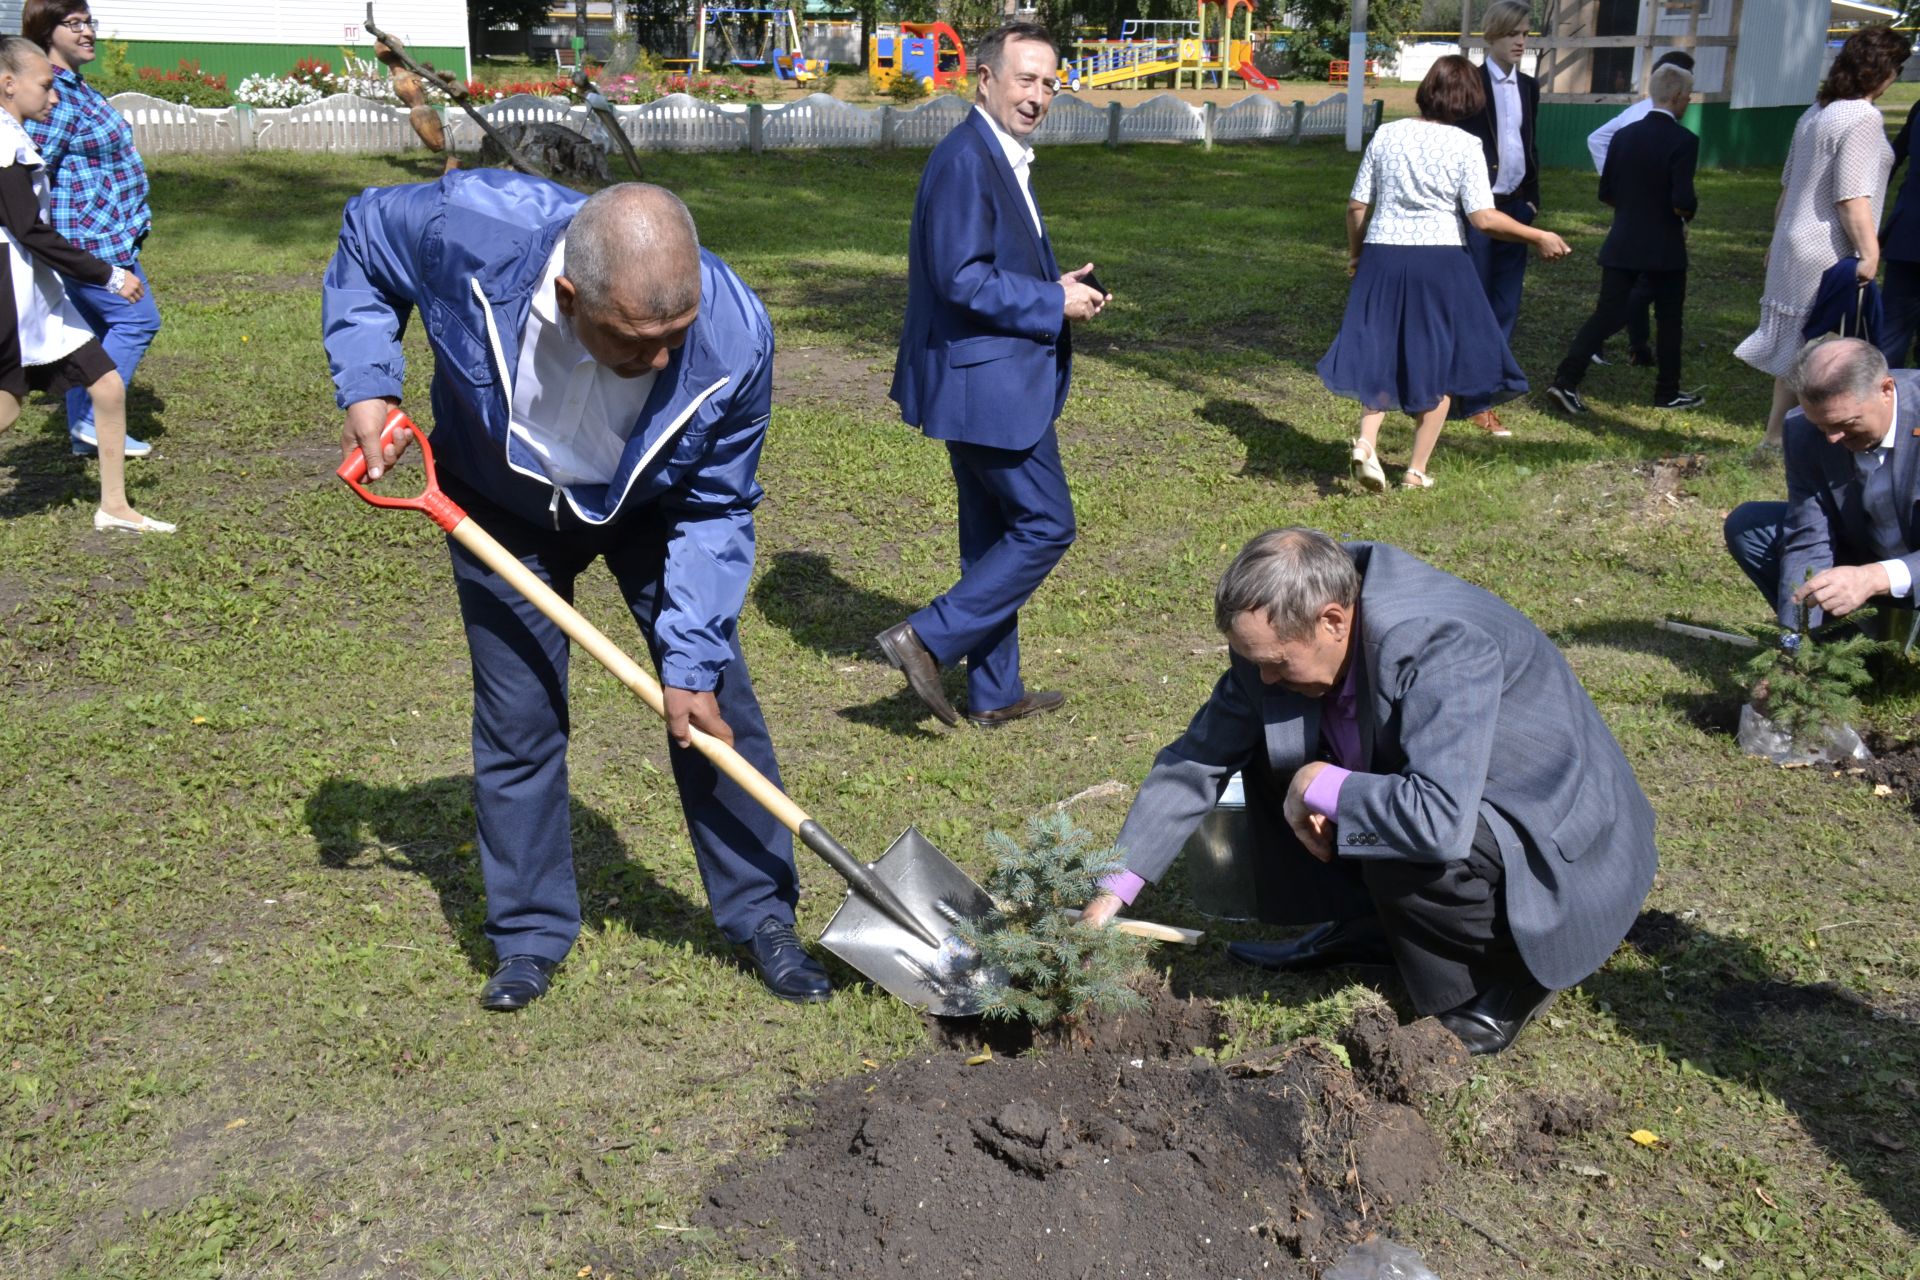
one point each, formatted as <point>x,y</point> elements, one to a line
<point>1419,327</point>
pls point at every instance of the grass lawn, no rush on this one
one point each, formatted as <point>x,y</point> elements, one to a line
<point>242,931</point>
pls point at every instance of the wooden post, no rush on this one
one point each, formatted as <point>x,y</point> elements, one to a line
<point>1299,121</point>
<point>886,127</point>
<point>1113,123</point>
<point>756,128</point>
<point>1206,123</point>
<point>1357,72</point>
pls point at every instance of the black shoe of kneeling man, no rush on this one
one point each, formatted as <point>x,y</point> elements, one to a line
<point>517,982</point>
<point>906,654</point>
<point>1361,941</point>
<point>775,953</point>
<point>1490,1021</point>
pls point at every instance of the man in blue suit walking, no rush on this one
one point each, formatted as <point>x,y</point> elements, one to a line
<point>1849,530</point>
<point>984,363</point>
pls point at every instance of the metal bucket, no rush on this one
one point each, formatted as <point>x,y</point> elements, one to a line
<point>1221,884</point>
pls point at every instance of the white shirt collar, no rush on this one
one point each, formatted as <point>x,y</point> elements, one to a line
<point>1893,422</point>
<point>1663,111</point>
<point>1502,77</point>
<point>1018,152</point>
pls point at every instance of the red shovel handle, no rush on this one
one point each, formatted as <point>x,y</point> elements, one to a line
<point>441,509</point>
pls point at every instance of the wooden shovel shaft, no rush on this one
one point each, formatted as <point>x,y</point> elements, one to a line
<point>625,669</point>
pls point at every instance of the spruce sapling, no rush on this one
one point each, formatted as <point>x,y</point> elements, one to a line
<point>1811,686</point>
<point>1058,968</point>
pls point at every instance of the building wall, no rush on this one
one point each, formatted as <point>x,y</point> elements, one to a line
<point>1782,46</point>
<point>236,40</point>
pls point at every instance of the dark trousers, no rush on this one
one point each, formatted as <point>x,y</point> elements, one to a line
<point>1446,922</point>
<point>1667,291</point>
<point>1900,312</point>
<point>1016,521</point>
<point>520,727</point>
<point>1752,531</point>
<point>1502,264</point>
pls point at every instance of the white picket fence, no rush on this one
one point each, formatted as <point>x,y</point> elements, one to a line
<point>345,123</point>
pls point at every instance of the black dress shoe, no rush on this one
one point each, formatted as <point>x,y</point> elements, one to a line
<point>905,654</point>
<point>1489,1022</point>
<point>783,964</point>
<point>1031,705</point>
<point>517,982</point>
<point>1361,941</point>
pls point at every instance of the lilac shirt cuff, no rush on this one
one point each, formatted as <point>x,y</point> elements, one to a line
<point>1323,793</point>
<point>1123,885</point>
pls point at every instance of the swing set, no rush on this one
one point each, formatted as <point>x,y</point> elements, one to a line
<point>748,38</point>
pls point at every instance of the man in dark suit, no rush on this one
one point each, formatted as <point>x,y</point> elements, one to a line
<point>1435,783</point>
<point>1505,127</point>
<point>984,360</point>
<point>1649,182</point>
<point>1850,526</point>
<point>1900,253</point>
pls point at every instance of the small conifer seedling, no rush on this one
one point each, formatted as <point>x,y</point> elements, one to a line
<point>1058,969</point>
<point>1811,685</point>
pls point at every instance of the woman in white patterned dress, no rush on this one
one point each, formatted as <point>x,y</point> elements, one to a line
<point>1832,187</point>
<point>1419,335</point>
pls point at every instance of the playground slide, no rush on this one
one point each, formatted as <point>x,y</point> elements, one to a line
<point>1247,72</point>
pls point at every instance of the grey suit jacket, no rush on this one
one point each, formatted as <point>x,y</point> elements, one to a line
<point>1827,523</point>
<point>1466,710</point>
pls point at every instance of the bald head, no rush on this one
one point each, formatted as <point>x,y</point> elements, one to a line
<point>633,249</point>
<point>1846,392</point>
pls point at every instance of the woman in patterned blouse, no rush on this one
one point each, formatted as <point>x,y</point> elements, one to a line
<point>99,198</point>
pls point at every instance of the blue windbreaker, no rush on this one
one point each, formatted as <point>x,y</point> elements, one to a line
<point>467,252</point>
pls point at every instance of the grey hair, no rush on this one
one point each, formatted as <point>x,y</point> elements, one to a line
<point>1669,83</point>
<point>1508,18</point>
<point>1289,575</point>
<point>1845,367</point>
<point>634,237</point>
<point>17,54</point>
<point>992,45</point>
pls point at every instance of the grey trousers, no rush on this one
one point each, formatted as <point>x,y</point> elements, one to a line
<point>1446,922</point>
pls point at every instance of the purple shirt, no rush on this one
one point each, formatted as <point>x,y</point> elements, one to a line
<point>1339,733</point>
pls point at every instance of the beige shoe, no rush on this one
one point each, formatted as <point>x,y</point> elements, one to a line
<point>1365,468</point>
<point>145,524</point>
<point>1414,479</point>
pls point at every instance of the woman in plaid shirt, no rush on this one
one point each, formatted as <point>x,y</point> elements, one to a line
<point>99,199</point>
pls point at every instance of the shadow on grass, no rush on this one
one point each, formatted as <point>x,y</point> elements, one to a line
<point>46,472</point>
<point>427,829</point>
<point>803,595</point>
<point>1849,1070</point>
<point>1713,663</point>
<point>1275,446</point>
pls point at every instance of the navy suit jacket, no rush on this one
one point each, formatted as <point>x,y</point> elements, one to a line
<point>1649,175</point>
<point>1466,712</point>
<point>1484,126</point>
<point>1900,238</point>
<point>1827,522</point>
<point>986,351</point>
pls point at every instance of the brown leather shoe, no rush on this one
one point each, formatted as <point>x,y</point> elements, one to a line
<point>905,654</point>
<point>1489,421</point>
<point>1031,705</point>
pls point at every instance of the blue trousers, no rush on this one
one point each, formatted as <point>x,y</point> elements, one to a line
<point>520,727</point>
<point>1752,531</point>
<point>1016,521</point>
<point>125,329</point>
<point>1502,264</point>
<point>1900,313</point>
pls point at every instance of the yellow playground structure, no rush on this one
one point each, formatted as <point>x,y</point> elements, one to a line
<point>1202,47</point>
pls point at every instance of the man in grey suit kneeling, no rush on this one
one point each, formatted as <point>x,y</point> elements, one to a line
<point>1436,787</point>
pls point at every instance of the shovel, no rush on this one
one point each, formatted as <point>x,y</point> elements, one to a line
<point>896,923</point>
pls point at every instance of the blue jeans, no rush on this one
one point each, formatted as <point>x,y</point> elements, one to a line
<point>125,329</point>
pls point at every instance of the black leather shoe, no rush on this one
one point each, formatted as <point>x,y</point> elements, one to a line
<point>1361,941</point>
<point>783,964</point>
<point>1033,704</point>
<point>517,982</point>
<point>1489,1022</point>
<point>905,654</point>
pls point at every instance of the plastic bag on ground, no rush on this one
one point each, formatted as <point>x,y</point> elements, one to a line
<point>1379,1259</point>
<point>1761,737</point>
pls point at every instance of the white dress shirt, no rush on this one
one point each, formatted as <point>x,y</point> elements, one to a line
<point>1602,138</point>
<point>1020,156</point>
<point>576,414</point>
<point>1509,145</point>
<point>1899,579</point>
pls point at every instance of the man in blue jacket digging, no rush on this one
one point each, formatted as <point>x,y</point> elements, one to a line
<point>601,389</point>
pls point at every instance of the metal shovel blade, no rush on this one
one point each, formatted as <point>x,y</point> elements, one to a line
<point>946,980</point>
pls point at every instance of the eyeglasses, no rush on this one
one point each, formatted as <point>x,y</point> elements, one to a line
<point>77,25</point>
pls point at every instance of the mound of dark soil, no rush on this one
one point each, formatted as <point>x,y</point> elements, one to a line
<point>1897,765</point>
<point>1107,1158</point>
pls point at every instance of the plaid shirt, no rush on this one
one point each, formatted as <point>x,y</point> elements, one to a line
<point>99,184</point>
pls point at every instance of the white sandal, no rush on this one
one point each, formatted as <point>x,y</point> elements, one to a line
<point>1414,478</point>
<point>1365,468</point>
